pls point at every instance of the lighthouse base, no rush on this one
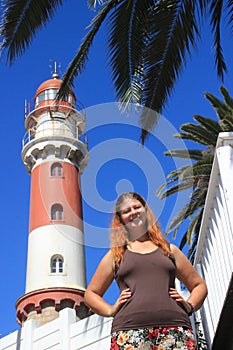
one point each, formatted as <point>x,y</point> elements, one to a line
<point>44,305</point>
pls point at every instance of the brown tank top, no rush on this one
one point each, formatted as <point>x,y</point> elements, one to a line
<point>149,277</point>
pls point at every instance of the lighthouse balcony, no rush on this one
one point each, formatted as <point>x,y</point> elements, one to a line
<point>56,110</point>
<point>68,128</point>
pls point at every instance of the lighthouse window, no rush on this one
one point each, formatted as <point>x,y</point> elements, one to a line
<point>56,170</point>
<point>40,97</point>
<point>57,264</point>
<point>71,100</point>
<point>57,212</point>
<point>51,94</point>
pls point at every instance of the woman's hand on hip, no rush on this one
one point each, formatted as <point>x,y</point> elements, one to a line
<point>124,296</point>
<point>179,299</point>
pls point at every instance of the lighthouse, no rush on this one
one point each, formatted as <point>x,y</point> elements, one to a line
<point>55,158</point>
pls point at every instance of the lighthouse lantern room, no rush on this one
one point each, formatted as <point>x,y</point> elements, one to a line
<point>55,157</point>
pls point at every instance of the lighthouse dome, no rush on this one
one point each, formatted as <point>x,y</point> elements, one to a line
<point>48,90</point>
<point>49,84</point>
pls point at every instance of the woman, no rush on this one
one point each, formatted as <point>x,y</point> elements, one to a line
<point>149,313</point>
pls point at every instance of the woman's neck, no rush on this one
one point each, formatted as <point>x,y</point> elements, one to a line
<point>143,238</point>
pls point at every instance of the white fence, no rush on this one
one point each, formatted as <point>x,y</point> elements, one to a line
<point>64,333</point>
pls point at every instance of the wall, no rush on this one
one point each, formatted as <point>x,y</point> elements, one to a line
<point>64,333</point>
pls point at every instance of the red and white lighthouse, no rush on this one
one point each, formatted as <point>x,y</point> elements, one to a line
<point>55,158</point>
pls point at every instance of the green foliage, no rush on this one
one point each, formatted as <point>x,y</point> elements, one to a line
<point>20,24</point>
<point>149,42</point>
<point>195,176</point>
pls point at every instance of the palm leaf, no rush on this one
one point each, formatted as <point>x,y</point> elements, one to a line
<point>127,43</point>
<point>21,20</point>
<point>216,14</point>
<point>193,244</point>
<point>192,228</point>
<point>227,123</point>
<point>160,189</point>
<point>227,98</point>
<point>192,250</point>
<point>177,188</point>
<point>203,4</point>
<point>209,124</point>
<point>179,219</point>
<point>183,241</point>
<point>199,169</point>
<point>178,172</point>
<point>185,154</point>
<point>230,11</point>
<point>174,30</point>
<point>197,198</point>
<point>93,3</point>
<point>78,63</point>
<point>200,134</point>
<point>189,209</point>
<point>220,107</point>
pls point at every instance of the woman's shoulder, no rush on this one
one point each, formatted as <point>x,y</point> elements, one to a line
<point>179,257</point>
<point>173,247</point>
<point>108,256</point>
<point>175,250</point>
<point>107,262</point>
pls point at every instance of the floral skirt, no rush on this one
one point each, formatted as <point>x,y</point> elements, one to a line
<point>164,338</point>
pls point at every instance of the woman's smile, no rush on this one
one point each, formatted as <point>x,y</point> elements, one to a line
<point>133,213</point>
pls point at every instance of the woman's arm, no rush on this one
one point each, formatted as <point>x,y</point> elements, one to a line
<point>191,279</point>
<point>100,282</point>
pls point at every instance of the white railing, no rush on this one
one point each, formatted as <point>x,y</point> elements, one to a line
<point>48,130</point>
<point>63,333</point>
<point>214,256</point>
<point>51,128</point>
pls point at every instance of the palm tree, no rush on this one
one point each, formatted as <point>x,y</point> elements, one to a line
<point>196,176</point>
<point>149,41</point>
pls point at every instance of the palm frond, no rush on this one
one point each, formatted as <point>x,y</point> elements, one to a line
<point>200,168</point>
<point>187,212</point>
<point>92,4</point>
<point>192,250</point>
<point>193,242</point>
<point>230,11</point>
<point>227,123</point>
<point>173,31</point>
<point>197,198</point>
<point>21,20</point>
<point>192,228</point>
<point>183,241</point>
<point>209,124</point>
<point>198,134</point>
<point>166,184</point>
<point>126,44</point>
<point>206,132</point>
<point>177,188</point>
<point>202,8</point>
<point>227,98</point>
<point>178,172</point>
<point>185,154</point>
<point>220,107</point>
<point>216,9</point>
<point>78,63</point>
<point>180,176</point>
<point>179,219</point>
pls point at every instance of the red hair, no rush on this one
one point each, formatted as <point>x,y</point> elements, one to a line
<point>119,234</point>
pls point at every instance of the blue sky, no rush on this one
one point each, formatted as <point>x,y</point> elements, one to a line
<point>117,161</point>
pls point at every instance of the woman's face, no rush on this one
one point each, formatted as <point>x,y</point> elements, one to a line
<point>133,215</point>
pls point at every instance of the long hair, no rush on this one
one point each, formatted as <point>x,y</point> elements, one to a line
<point>119,234</point>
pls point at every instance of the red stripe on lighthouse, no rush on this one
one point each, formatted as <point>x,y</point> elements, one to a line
<point>61,189</point>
